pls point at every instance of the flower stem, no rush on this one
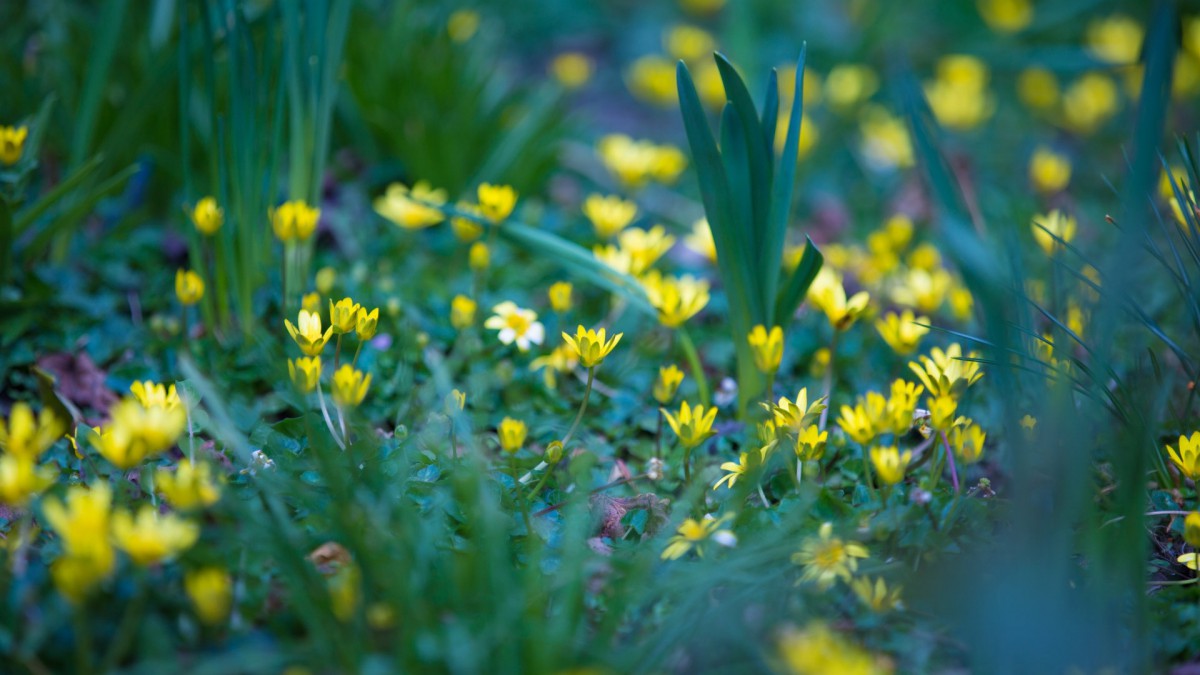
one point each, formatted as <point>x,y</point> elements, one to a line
<point>512,467</point>
<point>693,359</point>
<point>687,466</point>
<point>587,393</point>
<point>357,351</point>
<point>827,383</point>
<point>540,484</point>
<point>127,630</point>
<point>950,461</point>
<point>328,421</point>
<point>337,351</point>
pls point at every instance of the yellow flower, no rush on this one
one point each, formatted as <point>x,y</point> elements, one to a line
<point>701,240</point>
<point>645,247</point>
<point>1038,89</point>
<point>562,359</point>
<point>849,84</point>
<point>189,287</point>
<point>571,69</point>
<point>856,422</point>
<point>810,443</point>
<point>1050,225</point>
<point>456,401</point>
<point>325,279</point>
<point>151,394</point>
<point>294,220</point>
<point>738,469</point>
<point>614,257</point>
<point>462,312</point>
<point>412,210</point>
<point>1116,39</point>
<point>676,299</point>
<point>693,425</point>
<point>305,372</point>
<point>827,294</point>
<point>211,591</point>
<point>941,412</point>
<point>151,537</point>
<point>462,24</point>
<point>1191,529</point>
<point>496,201</point>
<point>922,289</point>
<point>1089,102</point>
<point>693,533</point>
<point>651,78</point>
<point>687,43</point>
<point>343,316</point>
<point>1006,16</point>
<point>83,525</point>
<point>560,296</point>
<point>344,591</point>
<point>516,325</point>
<point>827,558</point>
<point>816,650</point>
<point>967,441</point>
<point>207,216</point>
<point>479,256</point>
<point>466,229</point>
<point>21,479</point>
<point>1177,209</point>
<point>308,336</point>
<point>809,135</point>
<point>137,432</point>
<point>1028,422</point>
<point>1187,458</point>
<point>28,437</point>
<point>1049,171</point>
<point>1191,560</point>
<point>512,433</point>
<point>766,347</point>
<point>609,215</point>
<point>702,7</point>
<point>885,141</point>
<point>311,302</point>
<point>366,323</point>
<point>591,346</point>
<point>12,143</point>
<point>798,414</point>
<point>946,372</point>
<point>890,464</point>
<point>961,303</point>
<point>349,386</point>
<point>669,379</point>
<point>958,97</point>
<point>191,486</point>
<point>877,596</point>
<point>902,332</point>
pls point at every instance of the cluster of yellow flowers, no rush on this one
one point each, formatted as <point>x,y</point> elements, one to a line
<point>637,162</point>
<point>349,384</point>
<point>424,206</point>
<point>23,440</point>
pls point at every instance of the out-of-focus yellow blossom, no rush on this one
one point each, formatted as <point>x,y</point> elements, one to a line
<point>1177,209</point>
<point>211,591</point>
<point>609,214</point>
<point>516,325</point>
<point>702,7</point>
<point>876,595</point>
<point>191,486</point>
<point>693,424</point>
<point>207,216</point>
<point>687,43</point>
<point>465,229</point>
<point>967,441</point>
<point>571,69</point>
<point>817,650</point>
<point>810,443</point>
<point>479,257</point>
<point>1185,80</point>
<point>898,414</point>
<point>591,346</point>
<point>1089,102</point>
<point>1006,16</point>
<point>652,79</point>
<point>694,533</point>
<point>899,230</point>
<point>1028,422</point>
<point>902,332</point>
<point>294,220</point>
<point>959,97</point>
<point>1166,188</point>
<point>1049,171</point>
<point>496,201</point>
<point>1116,39</point>
<point>12,144</point>
<point>709,85</point>
<point>462,312</point>
<point>636,162</point>
<point>1191,560</point>
<point>326,277</point>
<point>849,84</point>
<point>462,25</point>
<point>83,525</point>
<point>150,393</point>
<point>809,135</point>
<point>1048,228</point>
<point>945,372</point>
<point>961,303</point>
<point>311,302</point>
<point>923,290</point>
<point>561,359</point>
<point>343,315</point>
<point>926,257</point>
<point>411,210</point>
<point>669,379</point>
<point>767,347</point>
<point>560,296</point>
<point>345,593</point>
<point>349,386</point>
<point>885,140</point>
<point>137,432</point>
<point>942,411</point>
<point>858,422</point>
<point>676,299</point>
<point>1191,529</point>
<point>746,461</point>
<point>645,247</point>
<point>614,257</point>
<point>1077,318</point>
<point>366,323</point>
<point>828,295</point>
<point>827,558</point>
<point>1038,89</point>
<point>798,413</point>
<point>151,537</point>
<point>890,464</point>
<point>27,436</point>
<point>21,479</point>
<point>308,336</point>
<point>1187,457</point>
<point>1191,35</point>
<point>813,88</point>
<point>189,287</point>
<point>701,240</point>
<point>512,433</point>
<point>305,372</point>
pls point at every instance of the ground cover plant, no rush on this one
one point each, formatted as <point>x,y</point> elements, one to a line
<point>362,337</point>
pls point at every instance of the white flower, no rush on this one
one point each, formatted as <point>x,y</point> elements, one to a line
<point>516,325</point>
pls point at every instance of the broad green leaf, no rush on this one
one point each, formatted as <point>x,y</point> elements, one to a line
<point>782,185</point>
<point>797,285</point>
<point>28,217</point>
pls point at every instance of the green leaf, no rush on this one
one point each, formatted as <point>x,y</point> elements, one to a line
<point>781,188</point>
<point>798,283</point>
<point>29,216</point>
<point>80,208</point>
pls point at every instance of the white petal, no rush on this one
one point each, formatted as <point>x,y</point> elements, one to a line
<point>536,333</point>
<point>507,335</point>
